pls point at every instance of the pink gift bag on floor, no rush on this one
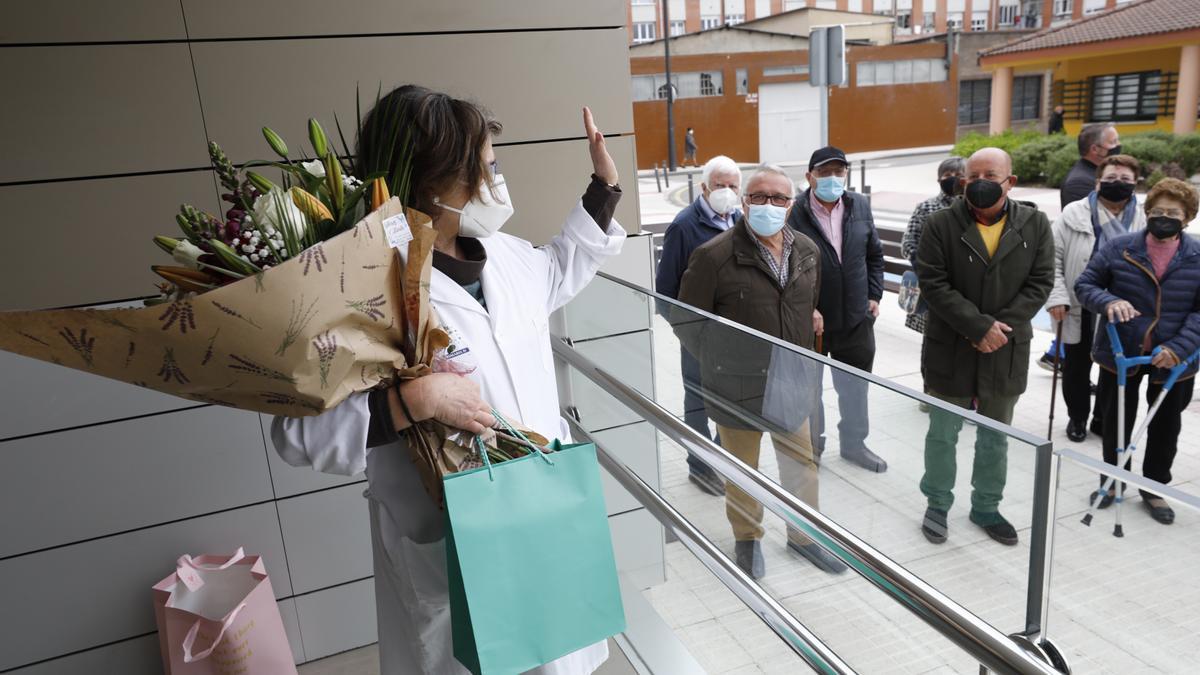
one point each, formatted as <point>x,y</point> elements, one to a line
<point>217,616</point>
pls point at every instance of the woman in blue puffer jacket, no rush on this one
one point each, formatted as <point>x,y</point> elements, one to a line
<point>1148,284</point>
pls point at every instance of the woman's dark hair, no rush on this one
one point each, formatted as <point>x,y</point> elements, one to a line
<point>425,142</point>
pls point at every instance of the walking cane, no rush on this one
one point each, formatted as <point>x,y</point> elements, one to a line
<point>1054,381</point>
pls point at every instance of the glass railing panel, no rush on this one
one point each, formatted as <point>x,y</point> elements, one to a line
<point>1124,604</point>
<point>883,509</point>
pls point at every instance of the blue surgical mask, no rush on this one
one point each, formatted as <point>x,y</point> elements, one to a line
<point>830,188</point>
<point>766,220</point>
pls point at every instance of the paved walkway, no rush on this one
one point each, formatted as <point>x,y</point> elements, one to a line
<point>1104,590</point>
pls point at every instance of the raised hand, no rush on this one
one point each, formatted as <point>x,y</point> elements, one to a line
<point>602,163</point>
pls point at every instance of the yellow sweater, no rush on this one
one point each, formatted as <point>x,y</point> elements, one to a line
<point>991,234</point>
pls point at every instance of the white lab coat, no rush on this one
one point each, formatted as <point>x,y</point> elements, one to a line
<point>506,349</point>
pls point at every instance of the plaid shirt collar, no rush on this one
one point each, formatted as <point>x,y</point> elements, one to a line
<point>780,269</point>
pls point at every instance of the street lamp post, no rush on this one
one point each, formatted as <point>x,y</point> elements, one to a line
<point>666,13</point>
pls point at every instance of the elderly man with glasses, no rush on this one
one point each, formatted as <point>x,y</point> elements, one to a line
<point>841,225</point>
<point>763,275</point>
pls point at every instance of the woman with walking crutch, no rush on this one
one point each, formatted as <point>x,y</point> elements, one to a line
<point>1148,284</point>
<point>1083,228</point>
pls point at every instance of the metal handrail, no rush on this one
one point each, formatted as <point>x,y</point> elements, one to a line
<point>871,378</point>
<point>1124,475</point>
<point>985,643</point>
<point>802,641</point>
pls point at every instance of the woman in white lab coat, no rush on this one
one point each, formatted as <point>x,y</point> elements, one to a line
<point>493,293</point>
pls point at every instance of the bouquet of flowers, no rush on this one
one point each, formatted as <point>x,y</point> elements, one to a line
<point>305,292</point>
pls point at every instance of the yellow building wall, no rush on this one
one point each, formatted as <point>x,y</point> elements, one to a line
<point>1082,68</point>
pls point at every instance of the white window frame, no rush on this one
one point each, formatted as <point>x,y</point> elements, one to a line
<point>954,20</point>
<point>645,31</point>
<point>1006,15</point>
<point>678,27</point>
<point>979,20</point>
<point>734,19</point>
<point>710,22</point>
<point>1064,8</point>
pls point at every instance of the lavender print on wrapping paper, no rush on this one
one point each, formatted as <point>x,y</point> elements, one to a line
<point>326,346</point>
<point>370,307</point>
<point>83,345</point>
<point>170,368</point>
<point>179,312</point>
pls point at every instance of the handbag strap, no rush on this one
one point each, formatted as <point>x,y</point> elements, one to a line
<point>190,640</point>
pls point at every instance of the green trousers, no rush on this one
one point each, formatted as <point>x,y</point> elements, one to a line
<point>990,469</point>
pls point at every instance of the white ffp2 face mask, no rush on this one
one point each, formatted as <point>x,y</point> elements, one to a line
<point>723,200</point>
<point>484,215</point>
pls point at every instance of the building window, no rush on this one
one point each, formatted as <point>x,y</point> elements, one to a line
<point>930,22</point>
<point>1027,97</point>
<point>687,85</point>
<point>644,2</point>
<point>1032,13</point>
<point>775,71</point>
<point>678,28</point>
<point>979,20</point>
<point>734,19</point>
<point>954,20</point>
<point>1063,8</point>
<point>1007,16</point>
<point>1127,97</point>
<point>854,5</point>
<point>1093,6</point>
<point>709,22</point>
<point>826,4</point>
<point>643,31</point>
<point>707,86</point>
<point>743,82</point>
<point>974,101</point>
<point>911,71</point>
<point>789,5</point>
<point>885,6</point>
<point>904,20</point>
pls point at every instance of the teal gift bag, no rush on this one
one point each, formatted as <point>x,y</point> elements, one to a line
<point>530,560</point>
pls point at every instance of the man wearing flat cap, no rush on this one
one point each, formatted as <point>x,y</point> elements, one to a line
<point>841,225</point>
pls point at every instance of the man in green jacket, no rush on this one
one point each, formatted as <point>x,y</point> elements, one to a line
<point>985,266</point>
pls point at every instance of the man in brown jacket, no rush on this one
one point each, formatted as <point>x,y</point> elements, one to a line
<point>765,276</point>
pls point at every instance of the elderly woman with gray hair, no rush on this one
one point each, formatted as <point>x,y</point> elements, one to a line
<point>950,174</point>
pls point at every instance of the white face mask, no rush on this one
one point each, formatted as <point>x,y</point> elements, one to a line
<point>723,200</point>
<point>483,215</point>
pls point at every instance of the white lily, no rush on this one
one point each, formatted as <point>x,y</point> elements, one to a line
<point>315,168</point>
<point>187,254</point>
<point>276,210</point>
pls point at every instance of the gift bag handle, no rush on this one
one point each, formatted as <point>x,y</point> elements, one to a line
<point>186,566</point>
<point>190,640</point>
<point>482,449</point>
<point>513,430</point>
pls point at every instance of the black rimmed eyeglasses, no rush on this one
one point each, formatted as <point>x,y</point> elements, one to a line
<point>758,199</point>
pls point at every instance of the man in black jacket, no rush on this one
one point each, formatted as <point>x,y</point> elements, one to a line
<point>1096,141</point>
<point>841,225</point>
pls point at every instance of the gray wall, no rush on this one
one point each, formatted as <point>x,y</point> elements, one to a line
<point>108,108</point>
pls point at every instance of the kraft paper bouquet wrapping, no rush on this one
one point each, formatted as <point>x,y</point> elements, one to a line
<point>306,293</point>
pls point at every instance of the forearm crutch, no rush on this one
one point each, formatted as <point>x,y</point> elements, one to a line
<point>1123,365</point>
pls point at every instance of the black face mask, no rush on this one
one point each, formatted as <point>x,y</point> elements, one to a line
<point>983,194</point>
<point>951,186</point>
<point>1164,227</point>
<point>1116,190</point>
<point>1114,150</point>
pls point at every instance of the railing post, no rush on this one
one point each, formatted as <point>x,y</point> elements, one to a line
<point>1041,540</point>
<point>657,180</point>
<point>666,175</point>
<point>691,188</point>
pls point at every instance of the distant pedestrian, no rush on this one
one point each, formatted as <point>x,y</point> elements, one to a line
<point>1056,121</point>
<point>689,147</point>
<point>950,174</point>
